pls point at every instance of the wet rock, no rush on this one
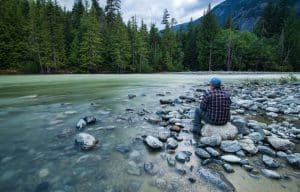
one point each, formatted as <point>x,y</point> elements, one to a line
<point>271,174</point>
<point>43,186</point>
<point>131,96</point>
<point>211,141</point>
<point>272,114</point>
<point>272,109</point>
<point>150,169</point>
<point>230,146</point>
<point>266,150</point>
<point>133,169</point>
<point>89,159</point>
<point>228,168</point>
<point>81,124</point>
<point>202,153</point>
<point>206,162</point>
<point>192,180</point>
<point>171,161</point>
<point>122,148</point>
<point>183,156</point>
<point>244,162</point>
<point>231,158</point>
<point>172,143</point>
<point>270,162</point>
<point>294,160</point>
<point>280,144</point>
<point>153,142</point>
<point>248,168</point>
<point>226,132</point>
<point>241,124</point>
<point>166,101</point>
<point>43,173</point>
<point>85,141</point>
<point>212,152</point>
<point>240,153</point>
<point>245,103</point>
<point>281,154</point>
<point>248,145</point>
<point>256,137</point>
<point>216,179</point>
<point>180,171</point>
<point>90,120</point>
<point>163,135</point>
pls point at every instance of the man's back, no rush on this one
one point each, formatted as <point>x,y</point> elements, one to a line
<point>216,103</point>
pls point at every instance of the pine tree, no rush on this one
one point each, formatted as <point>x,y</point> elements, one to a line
<point>190,51</point>
<point>155,51</point>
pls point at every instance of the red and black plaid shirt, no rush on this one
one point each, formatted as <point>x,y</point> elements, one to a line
<point>216,103</point>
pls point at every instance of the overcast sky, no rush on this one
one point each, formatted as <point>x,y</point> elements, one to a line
<point>151,11</point>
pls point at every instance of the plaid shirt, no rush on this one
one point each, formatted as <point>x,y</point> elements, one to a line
<point>216,103</point>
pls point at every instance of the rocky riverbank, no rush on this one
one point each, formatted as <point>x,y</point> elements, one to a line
<point>266,115</point>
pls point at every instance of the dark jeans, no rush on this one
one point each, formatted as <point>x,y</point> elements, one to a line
<point>198,117</point>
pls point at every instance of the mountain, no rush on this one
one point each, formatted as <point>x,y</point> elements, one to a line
<point>245,13</point>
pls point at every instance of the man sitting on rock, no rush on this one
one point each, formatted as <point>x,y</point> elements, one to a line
<point>214,108</point>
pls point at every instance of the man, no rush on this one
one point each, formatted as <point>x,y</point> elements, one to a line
<point>214,108</point>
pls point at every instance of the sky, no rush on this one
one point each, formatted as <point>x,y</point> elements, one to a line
<point>151,11</point>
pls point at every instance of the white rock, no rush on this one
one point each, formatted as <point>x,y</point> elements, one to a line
<point>226,132</point>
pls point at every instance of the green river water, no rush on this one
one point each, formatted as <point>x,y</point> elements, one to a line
<point>34,109</point>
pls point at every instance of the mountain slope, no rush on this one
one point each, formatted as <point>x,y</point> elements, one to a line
<point>245,13</point>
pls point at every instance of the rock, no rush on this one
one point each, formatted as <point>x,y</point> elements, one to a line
<point>280,144</point>
<point>43,186</point>
<point>174,121</point>
<point>131,96</point>
<point>163,135</point>
<point>245,103</point>
<point>122,148</point>
<point>272,114</point>
<point>270,174</point>
<point>281,154</point>
<point>228,168</point>
<point>171,161</point>
<point>240,153</point>
<point>183,156</point>
<point>272,109</point>
<point>175,128</point>
<point>150,169</point>
<point>270,162</point>
<point>85,141</point>
<point>80,124</point>
<point>266,150</point>
<point>152,120</point>
<point>256,137</point>
<point>294,160</point>
<point>90,120</point>
<point>172,143</point>
<point>248,168</point>
<point>192,180</point>
<point>211,141</point>
<point>166,101</point>
<point>230,146</point>
<point>241,124</point>
<point>212,152</point>
<point>244,162</point>
<point>133,169</point>
<point>43,173</point>
<point>231,158</point>
<point>248,145</point>
<point>135,156</point>
<point>153,142</point>
<point>202,153</point>
<point>180,171</point>
<point>216,179</point>
<point>89,159</point>
<point>226,132</point>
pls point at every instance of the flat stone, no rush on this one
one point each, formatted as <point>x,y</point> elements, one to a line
<point>248,145</point>
<point>153,142</point>
<point>270,162</point>
<point>211,141</point>
<point>202,153</point>
<point>231,158</point>
<point>230,146</point>
<point>280,144</point>
<point>226,132</point>
<point>271,174</point>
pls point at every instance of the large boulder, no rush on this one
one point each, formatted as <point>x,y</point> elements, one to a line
<point>227,131</point>
<point>280,144</point>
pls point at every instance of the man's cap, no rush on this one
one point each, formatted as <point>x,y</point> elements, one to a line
<point>215,82</point>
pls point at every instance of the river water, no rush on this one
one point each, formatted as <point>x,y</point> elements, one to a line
<point>35,109</point>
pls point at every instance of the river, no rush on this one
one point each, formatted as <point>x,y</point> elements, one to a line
<point>34,109</point>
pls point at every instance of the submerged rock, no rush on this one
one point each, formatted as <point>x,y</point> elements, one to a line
<point>226,132</point>
<point>150,168</point>
<point>216,179</point>
<point>183,156</point>
<point>153,142</point>
<point>85,141</point>
<point>271,174</point>
<point>270,162</point>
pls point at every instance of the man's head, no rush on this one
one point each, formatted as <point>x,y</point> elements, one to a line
<point>215,83</point>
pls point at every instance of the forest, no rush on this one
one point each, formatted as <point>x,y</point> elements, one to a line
<point>39,36</point>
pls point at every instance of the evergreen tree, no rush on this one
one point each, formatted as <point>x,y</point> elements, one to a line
<point>190,51</point>
<point>155,50</point>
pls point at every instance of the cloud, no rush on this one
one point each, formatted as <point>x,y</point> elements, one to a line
<point>151,11</point>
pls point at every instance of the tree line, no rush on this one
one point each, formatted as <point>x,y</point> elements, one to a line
<point>39,36</point>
